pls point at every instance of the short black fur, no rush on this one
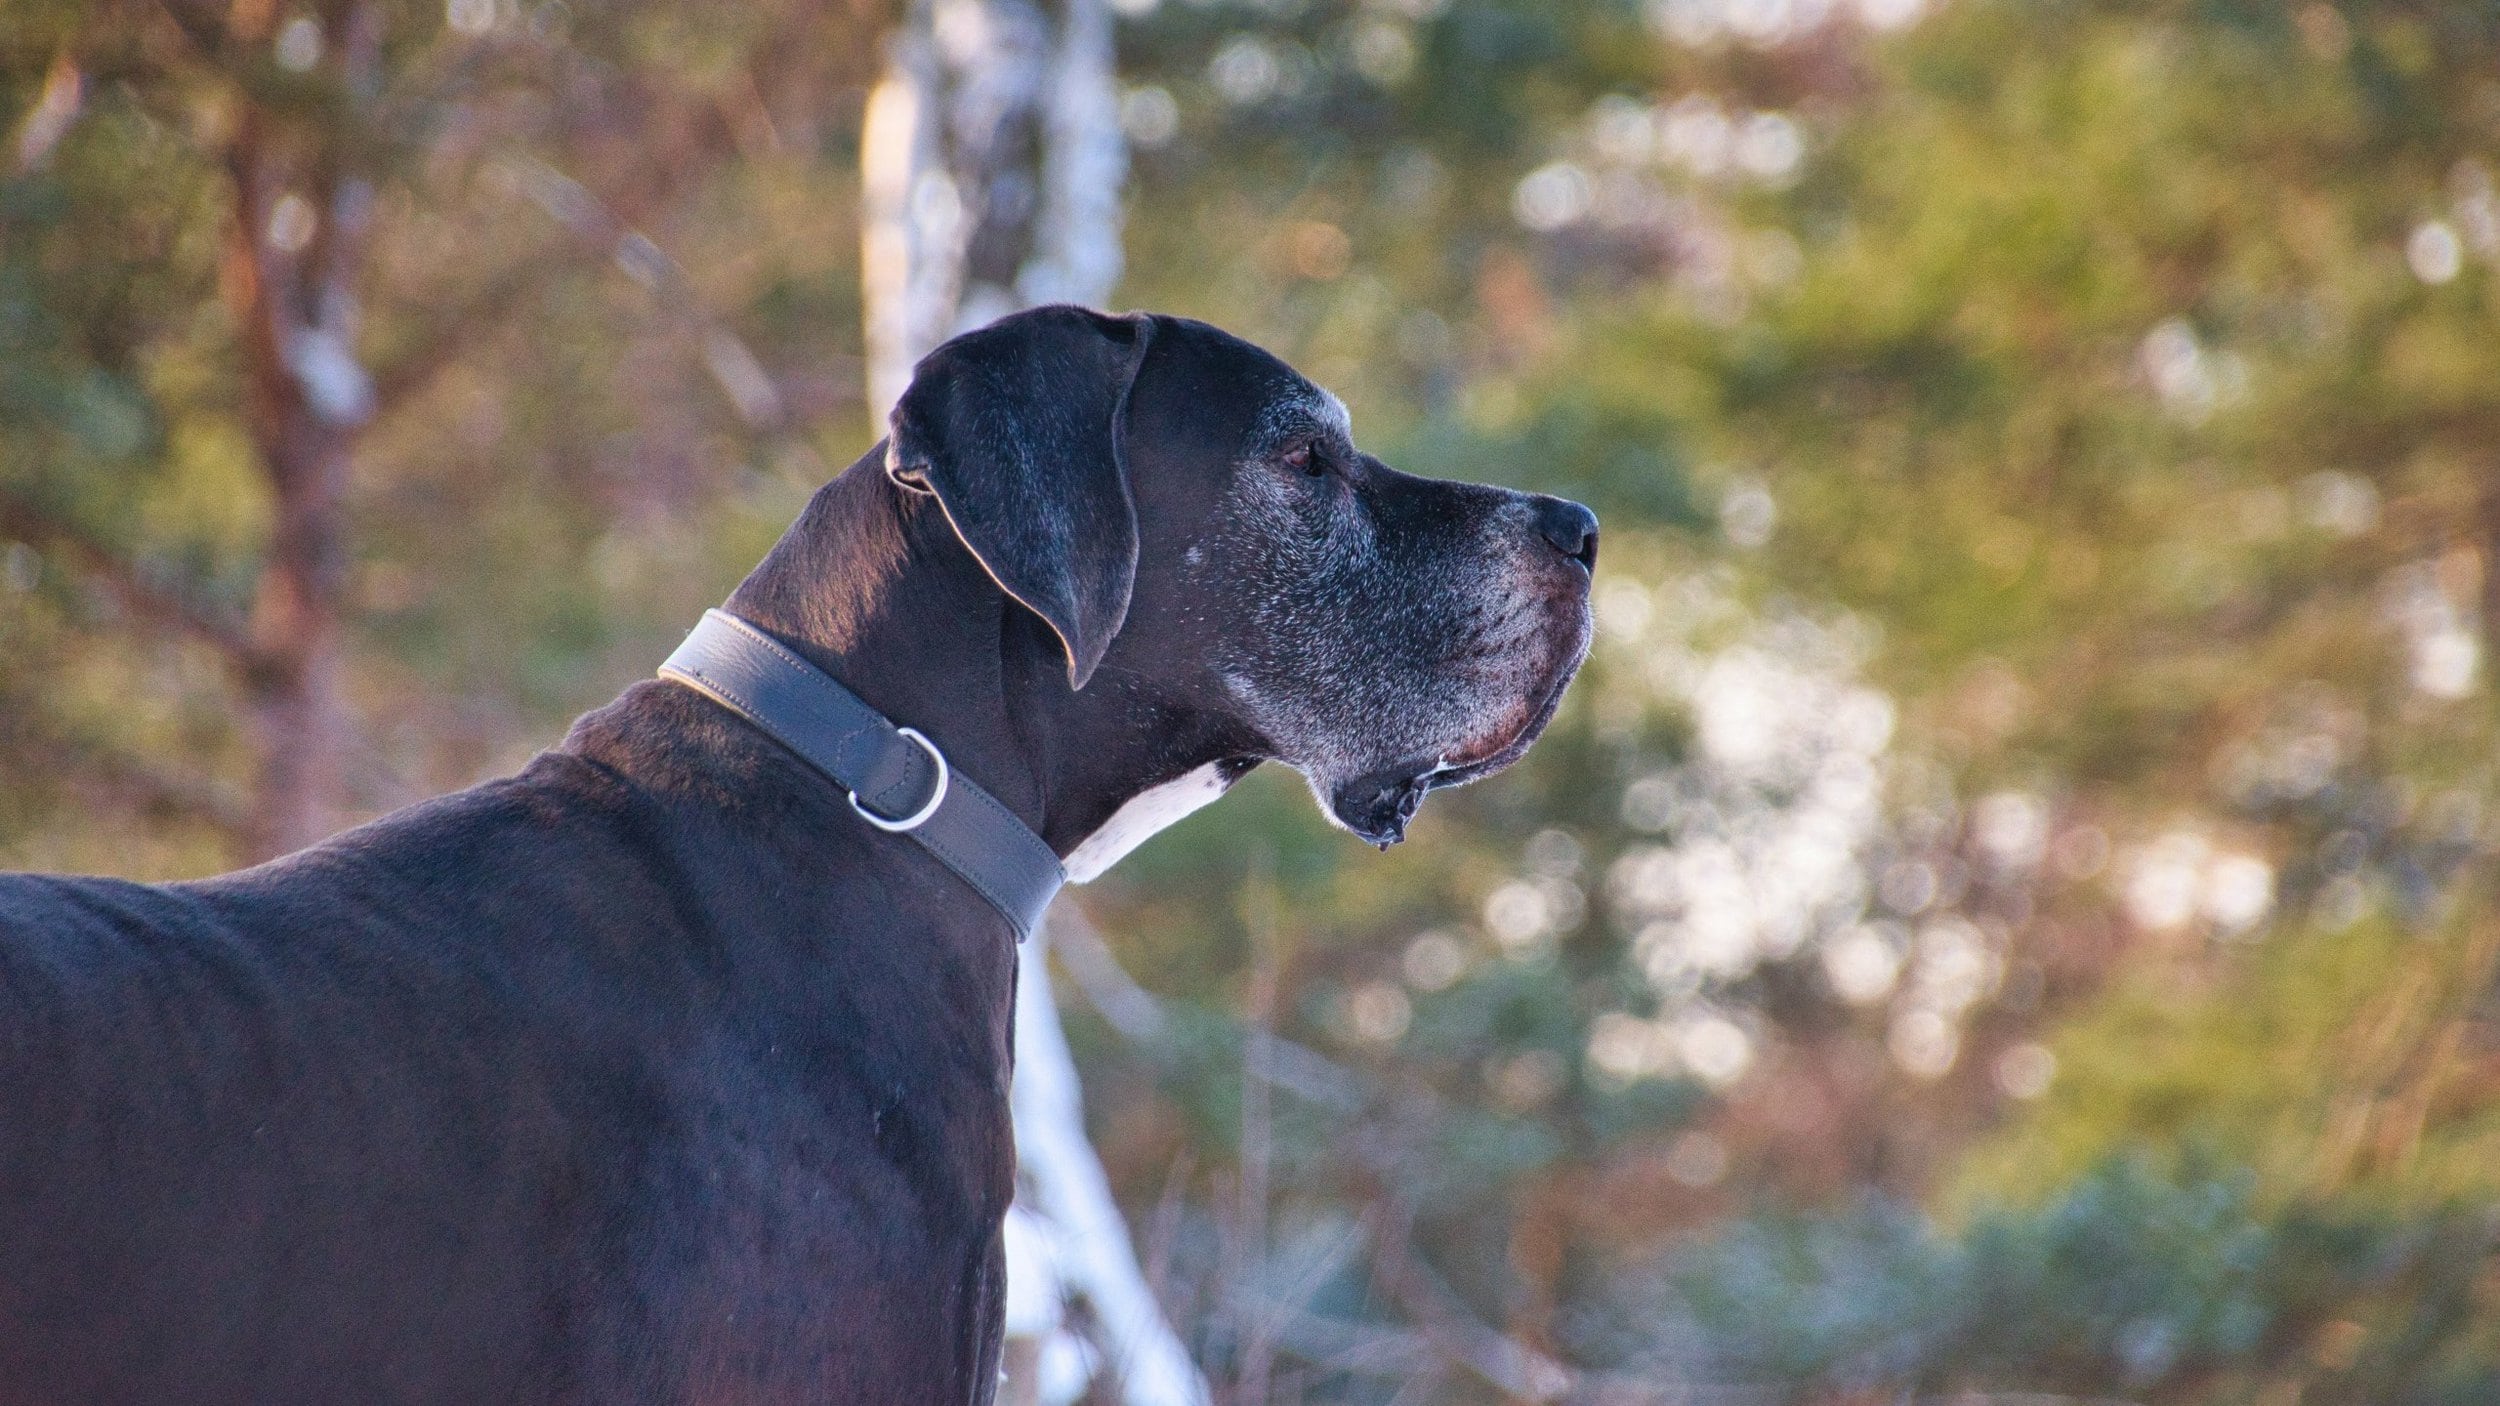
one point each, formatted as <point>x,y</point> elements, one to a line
<point>652,1073</point>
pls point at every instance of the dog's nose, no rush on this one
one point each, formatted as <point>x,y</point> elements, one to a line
<point>1570,527</point>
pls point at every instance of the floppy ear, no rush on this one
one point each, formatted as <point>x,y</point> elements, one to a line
<point>1016,428</point>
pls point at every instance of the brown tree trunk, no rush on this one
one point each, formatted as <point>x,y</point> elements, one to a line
<point>2487,600</point>
<point>293,294</point>
<point>299,712</point>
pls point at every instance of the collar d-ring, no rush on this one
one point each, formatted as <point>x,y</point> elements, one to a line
<point>937,793</point>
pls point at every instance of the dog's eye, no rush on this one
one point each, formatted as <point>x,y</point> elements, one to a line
<point>1301,457</point>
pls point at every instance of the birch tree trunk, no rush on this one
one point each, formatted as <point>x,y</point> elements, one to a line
<point>991,166</point>
<point>991,163</point>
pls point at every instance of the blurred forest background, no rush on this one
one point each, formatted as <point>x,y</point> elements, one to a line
<point>2005,915</point>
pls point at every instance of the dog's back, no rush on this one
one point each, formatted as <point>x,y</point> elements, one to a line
<point>311,1095</point>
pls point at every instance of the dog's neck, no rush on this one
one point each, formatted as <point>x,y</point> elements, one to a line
<point>872,585</point>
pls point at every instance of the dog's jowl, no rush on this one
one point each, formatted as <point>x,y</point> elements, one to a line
<point>675,1067</point>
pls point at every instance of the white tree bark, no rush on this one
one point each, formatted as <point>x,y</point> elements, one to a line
<point>991,163</point>
<point>909,212</point>
<point>1084,1243</point>
<point>1076,254</point>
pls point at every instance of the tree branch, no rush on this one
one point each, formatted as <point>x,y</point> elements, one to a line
<point>22,517</point>
<point>1509,1365</point>
<point>441,346</point>
<point>734,367</point>
<point>1139,1017</point>
<point>148,786</point>
<point>1454,1333</point>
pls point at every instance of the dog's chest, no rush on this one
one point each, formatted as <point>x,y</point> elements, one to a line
<point>836,1224</point>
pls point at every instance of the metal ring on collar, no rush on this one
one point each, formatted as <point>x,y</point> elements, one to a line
<point>937,793</point>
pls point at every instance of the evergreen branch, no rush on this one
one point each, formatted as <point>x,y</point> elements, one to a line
<point>152,787</point>
<point>441,346</point>
<point>589,220</point>
<point>1502,1361</point>
<point>22,517</point>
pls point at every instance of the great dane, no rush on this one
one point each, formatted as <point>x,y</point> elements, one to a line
<point>665,1070</point>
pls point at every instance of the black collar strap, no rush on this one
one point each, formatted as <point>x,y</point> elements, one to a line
<point>897,779</point>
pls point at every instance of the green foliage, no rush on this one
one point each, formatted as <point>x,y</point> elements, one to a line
<point>2128,368</point>
<point>2329,1062</point>
<point>2098,403</point>
<point>2154,1286</point>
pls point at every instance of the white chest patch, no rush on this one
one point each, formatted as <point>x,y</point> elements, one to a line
<point>1147,814</point>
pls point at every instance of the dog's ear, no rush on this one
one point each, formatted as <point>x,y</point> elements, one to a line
<point>1017,429</point>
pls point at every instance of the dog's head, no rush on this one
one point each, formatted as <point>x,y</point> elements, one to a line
<point>1192,520</point>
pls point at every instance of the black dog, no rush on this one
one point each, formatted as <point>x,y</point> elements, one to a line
<point>654,1073</point>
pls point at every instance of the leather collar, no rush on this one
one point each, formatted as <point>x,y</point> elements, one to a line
<point>897,779</point>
